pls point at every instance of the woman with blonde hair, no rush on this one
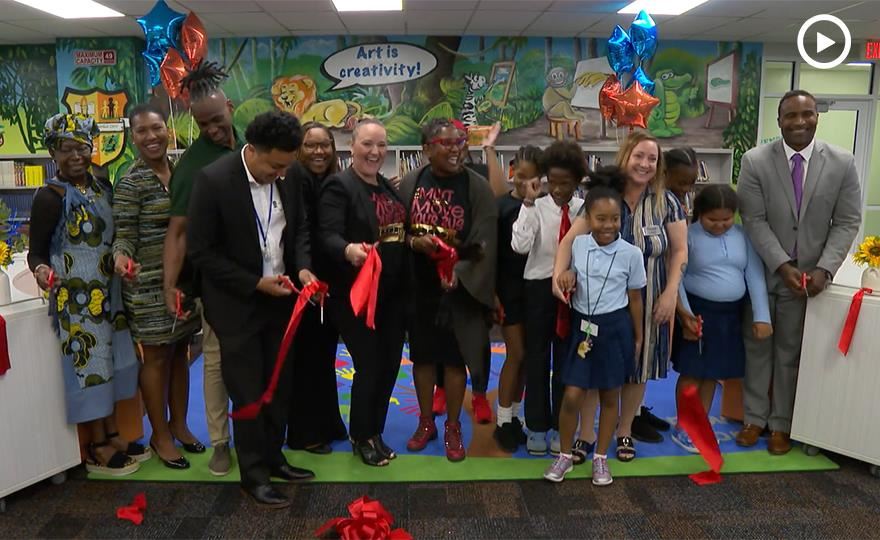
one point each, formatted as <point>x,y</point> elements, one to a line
<point>653,220</point>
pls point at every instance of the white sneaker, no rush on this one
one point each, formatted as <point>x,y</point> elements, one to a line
<point>554,442</point>
<point>557,470</point>
<point>601,472</point>
<point>537,443</point>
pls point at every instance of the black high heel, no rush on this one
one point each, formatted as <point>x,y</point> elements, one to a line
<point>193,448</point>
<point>177,464</point>
<point>383,448</point>
<point>369,454</point>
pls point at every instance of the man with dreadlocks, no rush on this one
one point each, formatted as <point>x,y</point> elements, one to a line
<point>213,114</point>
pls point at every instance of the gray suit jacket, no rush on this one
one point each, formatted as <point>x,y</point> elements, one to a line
<point>831,208</point>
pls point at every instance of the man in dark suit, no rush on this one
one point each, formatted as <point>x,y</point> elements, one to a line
<point>801,207</point>
<point>247,232</point>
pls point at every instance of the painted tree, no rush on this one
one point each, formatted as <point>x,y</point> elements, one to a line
<point>27,84</point>
<point>444,49</point>
<point>548,54</point>
<point>742,132</point>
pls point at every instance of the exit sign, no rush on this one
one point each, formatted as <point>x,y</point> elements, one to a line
<point>872,50</point>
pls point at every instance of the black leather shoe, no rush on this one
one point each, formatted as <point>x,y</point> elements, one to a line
<point>653,420</point>
<point>178,464</point>
<point>320,449</point>
<point>383,448</point>
<point>193,448</point>
<point>266,495</point>
<point>291,474</point>
<point>369,454</point>
<point>645,432</point>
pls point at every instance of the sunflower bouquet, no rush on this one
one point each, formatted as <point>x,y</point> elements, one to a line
<point>868,253</point>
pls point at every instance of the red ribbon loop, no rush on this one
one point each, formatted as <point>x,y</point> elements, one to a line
<point>446,257</point>
<point>251,410</point>
<point>134,512</point>
<point>365,289</point>
<point>369,521</point>
<point>852,319</point>
<point>692,418</point>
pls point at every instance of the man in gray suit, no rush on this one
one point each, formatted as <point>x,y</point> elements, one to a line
<point>801,207</point>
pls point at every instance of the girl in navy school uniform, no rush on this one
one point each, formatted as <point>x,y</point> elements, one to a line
<point>722,269</point>
<point>605,281</point>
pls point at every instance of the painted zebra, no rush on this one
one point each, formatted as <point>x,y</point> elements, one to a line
<point>473,82</point>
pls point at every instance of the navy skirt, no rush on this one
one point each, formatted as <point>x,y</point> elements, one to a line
<point>612,358</point>
<point>724,354</point>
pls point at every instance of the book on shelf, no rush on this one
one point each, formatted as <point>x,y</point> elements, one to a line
<point>409,161</point>
<point>20,174</point>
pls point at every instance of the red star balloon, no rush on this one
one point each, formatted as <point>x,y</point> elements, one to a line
<point>608,96</point>
<point>633,106</point>
<point>172,71</point>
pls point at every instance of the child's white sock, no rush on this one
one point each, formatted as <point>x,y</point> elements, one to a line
<point>504,415</point>
<point>600,456</point>
<point>566,456</point>
<point>516,407</point>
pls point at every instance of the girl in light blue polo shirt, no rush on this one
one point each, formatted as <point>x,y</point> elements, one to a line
<point>605,281</point>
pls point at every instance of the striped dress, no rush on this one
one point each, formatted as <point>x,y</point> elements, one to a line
<point>141,212</point>
<point>645,228</point>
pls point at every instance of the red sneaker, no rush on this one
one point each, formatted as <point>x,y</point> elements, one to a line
<point>439,405</point>
<point>425,433</point>
<point>454,447</point>
<point>482,410</point>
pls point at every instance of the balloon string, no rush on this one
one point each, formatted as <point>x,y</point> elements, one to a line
<point>171,115</point>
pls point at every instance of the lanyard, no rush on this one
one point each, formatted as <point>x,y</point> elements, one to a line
<point>264,234</point>
<point>602,289</point>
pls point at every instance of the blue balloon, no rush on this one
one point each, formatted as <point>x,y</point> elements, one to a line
<point>643,79</point>
<point>620,52</point>
<point>643,33</point>
<point>161,29</point>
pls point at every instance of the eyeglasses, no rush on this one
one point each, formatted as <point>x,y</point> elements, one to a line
<point>449,143</point>
<point>311,147</point>
<point>83,150</point>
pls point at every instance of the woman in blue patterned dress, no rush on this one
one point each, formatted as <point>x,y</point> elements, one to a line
<point>71,234</point>
<point>654,221</point>
<point>141,211</point>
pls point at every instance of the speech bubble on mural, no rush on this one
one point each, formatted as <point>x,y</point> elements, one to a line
<point>378,64</point>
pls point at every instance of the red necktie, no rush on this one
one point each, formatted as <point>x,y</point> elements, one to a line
<point>562,310</point>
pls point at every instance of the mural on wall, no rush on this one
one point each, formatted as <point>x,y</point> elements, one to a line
<point>102,77</point>
<point>540,89</point>
<point>27,96</point>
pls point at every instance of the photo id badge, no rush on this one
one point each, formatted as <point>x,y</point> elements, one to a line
<point>591,329</point>
<point>652,230</point>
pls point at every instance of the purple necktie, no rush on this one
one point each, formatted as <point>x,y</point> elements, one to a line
<point>797,180</point>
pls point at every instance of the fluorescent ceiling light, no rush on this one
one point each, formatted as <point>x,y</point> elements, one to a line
<point>72,9</point>
<point>368,5</point>
<point>860,64</point>
<point>662,7</point>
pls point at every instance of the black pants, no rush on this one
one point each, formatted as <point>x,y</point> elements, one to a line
<point>479,385</point>
<point>544,353</point>
<point>376,357</point>
<point>314,416</point>
<point>247,363</point>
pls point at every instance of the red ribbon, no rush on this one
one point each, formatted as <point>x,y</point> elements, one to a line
<point>4,348</point>
<point>365,289</point>
<point>692,418</point>
<point>251,410</point>
<point>50,281</point>
<point>178,304</point>
<point>135,511</point>
<point>700,326</point>
<point>852,319</point>
<point>804,283</point>
<point>446,257</point>
<point>369,521</point>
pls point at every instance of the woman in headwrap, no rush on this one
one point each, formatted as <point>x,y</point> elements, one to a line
<point>71,235</point>
<point>140,213</point>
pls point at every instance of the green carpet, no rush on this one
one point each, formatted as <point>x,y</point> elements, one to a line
<point>344,467</point>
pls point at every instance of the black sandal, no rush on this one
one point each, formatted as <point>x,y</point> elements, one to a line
<point>368,453</point>
<point>136,451</point>
<point>580,451</point>
<point>383,448</point>
<point>626,450</point>
<point>119,464</point>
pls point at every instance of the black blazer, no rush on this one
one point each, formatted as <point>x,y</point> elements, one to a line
<point>224,245</point>
<point>347,215</point>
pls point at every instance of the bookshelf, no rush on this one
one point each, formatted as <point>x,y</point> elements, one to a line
<point>20,176</point>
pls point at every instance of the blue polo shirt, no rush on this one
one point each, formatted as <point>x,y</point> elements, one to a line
<point>621,261</point>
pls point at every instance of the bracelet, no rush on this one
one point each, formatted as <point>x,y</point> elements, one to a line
<point>37,269</point>
<point>492,148</point>
<point>410,243</point>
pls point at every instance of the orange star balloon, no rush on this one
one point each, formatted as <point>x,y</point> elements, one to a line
<point>608,96</point>
<point>633,106</point>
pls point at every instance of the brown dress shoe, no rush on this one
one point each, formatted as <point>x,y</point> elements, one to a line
<point>779,443</point>
<point>749,435</point>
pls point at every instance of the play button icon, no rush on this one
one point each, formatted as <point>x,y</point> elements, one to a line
<point>823,42</point>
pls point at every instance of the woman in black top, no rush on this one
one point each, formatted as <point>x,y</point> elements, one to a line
<point>358,211</point>
<point>313,420</point>
<point>450,325</point>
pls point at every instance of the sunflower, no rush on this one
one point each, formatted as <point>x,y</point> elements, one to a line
<point>5,255</point>
<point>868,253</point>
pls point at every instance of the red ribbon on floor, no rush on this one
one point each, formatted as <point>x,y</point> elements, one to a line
<point>369,521</point>
<point>446,257</point>
<point>852,319</point>
<point>251,410</point>
<point>4,348</point>
<point>692,418</point>
<point>365,289</point>
<point>135,511</point>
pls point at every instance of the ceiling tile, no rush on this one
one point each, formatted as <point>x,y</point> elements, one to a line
<point>321,21</point>
<point>515,5</point>
<point>804,9</point>
<point>137,8</point>
<point>13,11</point>
<point>550,23</point>
<point>754,26</point>
<point>116,27</point>
<point>58,27</point>
<point>221,6</point>
<point>18,34</point>
<point>740,8</point>
<point>279,6</point>
<point>512,21</point>
<point>245,24</point>
<point>440,5</point>
<point>436,32</point>
<point>427,20</point>
<point>370,22</point>
<point>588,6</point>
<point>682,25</point>
<point>865,11</point>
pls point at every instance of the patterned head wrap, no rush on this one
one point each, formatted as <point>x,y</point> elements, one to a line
<point>75,127</point>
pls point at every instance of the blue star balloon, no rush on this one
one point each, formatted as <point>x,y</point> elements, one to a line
<point>643,33</point>
<point>161,29</point>
<point>620,52</point>
<point>643,80</point>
